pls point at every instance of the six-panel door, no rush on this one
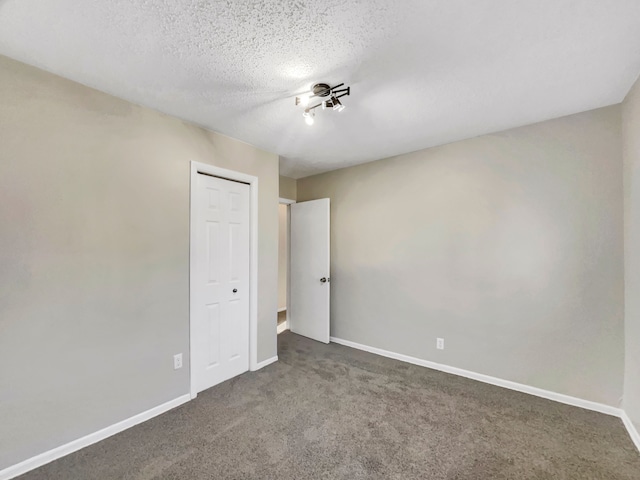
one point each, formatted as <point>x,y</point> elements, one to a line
<point>220,348</point>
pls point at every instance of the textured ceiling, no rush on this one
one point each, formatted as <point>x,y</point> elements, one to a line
<point>423,72</point>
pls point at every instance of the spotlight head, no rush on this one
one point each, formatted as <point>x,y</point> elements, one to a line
<point>337,104</point>
<point>303,100</point>
<point>308,117</point>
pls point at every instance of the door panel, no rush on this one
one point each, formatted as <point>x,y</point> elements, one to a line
<point>213,251</point>
<point>309,264</point>
<point>213,318</point>
<point>220,293</point>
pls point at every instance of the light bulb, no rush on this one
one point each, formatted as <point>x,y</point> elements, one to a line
<point>308,117</point>
<point>304,100</point>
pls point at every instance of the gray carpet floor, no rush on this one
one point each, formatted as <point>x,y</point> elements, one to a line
<point>331,412</point>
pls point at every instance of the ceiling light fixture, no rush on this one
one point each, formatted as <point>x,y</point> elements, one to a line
<point>322,90</point>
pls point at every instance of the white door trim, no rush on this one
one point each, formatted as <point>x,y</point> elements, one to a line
<point>253,258</point>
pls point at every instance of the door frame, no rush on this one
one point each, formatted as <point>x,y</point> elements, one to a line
<point>252,181</point>
<point>288,202</point>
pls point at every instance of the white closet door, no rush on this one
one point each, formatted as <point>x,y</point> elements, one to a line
<point>220,296</point>
<point>309,259</point>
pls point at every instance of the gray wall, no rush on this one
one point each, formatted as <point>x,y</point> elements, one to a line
<point>94,256</point>
<point>510,246</point>
<point>288,188</point>
<point>631,149</point>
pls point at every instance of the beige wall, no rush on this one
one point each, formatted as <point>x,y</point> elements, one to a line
<point>631,149</point>
<point>94,256</point>
<point>282,256</point>
<point>288,188</point>
<point>510,246</point>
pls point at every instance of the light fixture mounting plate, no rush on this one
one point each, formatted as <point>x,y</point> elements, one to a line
<point>321,90</point>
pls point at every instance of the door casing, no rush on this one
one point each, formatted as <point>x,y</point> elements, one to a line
<point>252,181</point>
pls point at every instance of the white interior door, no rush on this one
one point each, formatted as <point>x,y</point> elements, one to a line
<point>220,289</point>
<point>309,267</point>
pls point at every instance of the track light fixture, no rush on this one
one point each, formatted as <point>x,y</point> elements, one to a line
<point>322,90</point>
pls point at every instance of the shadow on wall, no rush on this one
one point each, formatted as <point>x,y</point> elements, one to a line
<point>508,246</point>
<point>419,312</point>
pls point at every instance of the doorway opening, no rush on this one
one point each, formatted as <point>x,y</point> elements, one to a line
<point>284,233</point>
<point>304,265</point>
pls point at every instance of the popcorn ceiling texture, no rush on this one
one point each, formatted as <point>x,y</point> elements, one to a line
<point>423,73</point>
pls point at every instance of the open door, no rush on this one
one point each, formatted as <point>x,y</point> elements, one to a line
<point>309,267</point>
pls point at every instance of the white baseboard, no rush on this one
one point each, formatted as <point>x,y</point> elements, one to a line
<point>75,445</point>
<point>264,363</point>
<point>519,387</point>
<point>283,326</point>
<point>631,428</point>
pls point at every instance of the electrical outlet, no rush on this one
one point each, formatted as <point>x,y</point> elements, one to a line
<point>440,343</point>
<point>177,361</point>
